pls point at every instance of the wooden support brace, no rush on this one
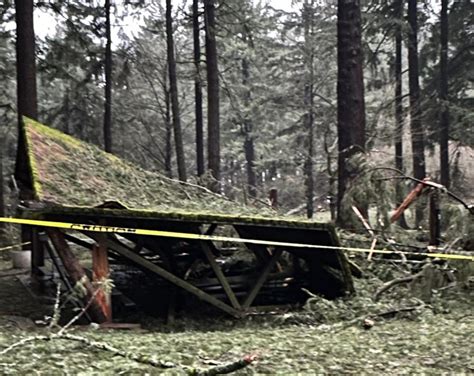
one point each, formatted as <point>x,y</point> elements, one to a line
<point>262,278</point>
<point>220,275</point>
<point>168,276</point>
<point>76,273</point>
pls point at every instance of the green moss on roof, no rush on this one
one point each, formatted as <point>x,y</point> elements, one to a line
<point>73,176</point>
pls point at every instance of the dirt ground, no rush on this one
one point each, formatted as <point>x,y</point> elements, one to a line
<point>14,297</point>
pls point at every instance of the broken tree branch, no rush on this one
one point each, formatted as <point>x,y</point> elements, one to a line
<point>397,281</point>
<point>427,183</point>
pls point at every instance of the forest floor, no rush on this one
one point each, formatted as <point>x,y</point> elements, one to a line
<point>323,338</point>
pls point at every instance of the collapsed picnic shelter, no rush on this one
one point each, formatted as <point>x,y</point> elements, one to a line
<point>67,180</point>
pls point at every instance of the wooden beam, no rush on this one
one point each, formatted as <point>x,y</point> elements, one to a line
<point>169,276</point>
<point>220,275</point>
<point>262,278</point>
<point>76,273</point>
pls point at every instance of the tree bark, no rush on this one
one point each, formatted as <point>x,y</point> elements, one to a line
<point>213,126</point>
<point>26,96</point>
<point>443,96</point>
<point>108,81</point>
<point>198,91</point>
<point>417,137</point>
<point>308,104</point>
<point>350,97</point>
<point>2,193</point>
<point>399,107</point>
<point>168,137</point>
<point>178,138</point>
<point>249,147</point>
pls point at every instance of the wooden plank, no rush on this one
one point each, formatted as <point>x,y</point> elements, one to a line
<point>169,276</point>
<point>76,272</point>
<point>262,278</point>
<point>100,273</point>
<point>220,275</point>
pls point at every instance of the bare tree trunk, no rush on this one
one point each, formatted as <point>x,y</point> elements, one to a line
<point>350,97</point>
<point>168,129</point>
<point>249,147</point>
<point>443,96</point>
<point>178,138</point>
<point>26,96</point>
<point>2,193</point>
<point>399,107</point>
<point>417,137</point>
<point>108,81</point>
<point>308,103</point>
<point>213,126</point>
<point>198,91</point>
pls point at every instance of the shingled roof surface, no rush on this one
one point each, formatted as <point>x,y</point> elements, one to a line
<point>69,173</point>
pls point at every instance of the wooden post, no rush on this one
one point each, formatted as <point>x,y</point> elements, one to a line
<point>435,231</point>
<point>77,274</point>
<point>100,268</point>
<point>37,252</point>
<point>273,198</point>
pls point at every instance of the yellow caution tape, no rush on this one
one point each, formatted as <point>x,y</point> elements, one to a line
<point>191,236</point>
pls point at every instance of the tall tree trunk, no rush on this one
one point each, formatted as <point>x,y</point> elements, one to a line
<point>443,96</point>
<point>213,126</point>
<point>249,147</point>
<point>2,193</point>
<point>108,81</point>
<point>308,103</point>
<point>198,91</point>
<point>26,96</point>
<point>399,107</point>
<point>417,137</point>
<point>178,138</point>
<point>168,136</point>
<point>350,97</point>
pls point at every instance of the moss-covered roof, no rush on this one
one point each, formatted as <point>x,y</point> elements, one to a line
<point>72,176</point>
